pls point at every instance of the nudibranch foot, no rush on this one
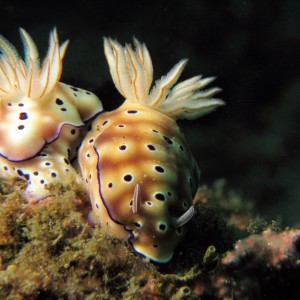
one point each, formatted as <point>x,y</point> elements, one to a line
<point>40,117</point>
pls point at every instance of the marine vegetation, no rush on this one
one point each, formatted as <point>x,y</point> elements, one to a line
<point>49,251</point>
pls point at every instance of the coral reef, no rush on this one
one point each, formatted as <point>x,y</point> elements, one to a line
<point>48,250</point>
<point>261,266</point>
<point>273,249</point>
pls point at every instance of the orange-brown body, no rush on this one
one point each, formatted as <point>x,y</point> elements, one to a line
<point>137,145</point>
<point>140,173</point>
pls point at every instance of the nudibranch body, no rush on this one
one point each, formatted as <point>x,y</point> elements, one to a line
<point>140,173</point>
<point>40,117</point>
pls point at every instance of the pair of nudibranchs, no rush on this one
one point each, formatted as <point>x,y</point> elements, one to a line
<point>135,162</point>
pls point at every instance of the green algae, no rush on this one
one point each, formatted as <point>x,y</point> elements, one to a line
<point>48,250</point>
<point>56,253</point>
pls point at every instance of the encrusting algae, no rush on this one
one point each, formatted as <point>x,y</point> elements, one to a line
<point>49,251</point>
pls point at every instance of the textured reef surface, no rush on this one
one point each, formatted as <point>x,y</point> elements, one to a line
<point>48,250</point>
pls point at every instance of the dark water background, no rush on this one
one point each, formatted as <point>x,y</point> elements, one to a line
<point>253,48</point>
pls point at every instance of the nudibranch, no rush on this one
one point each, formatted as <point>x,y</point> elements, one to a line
<point>40,117</point>
<point>140,173</point>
